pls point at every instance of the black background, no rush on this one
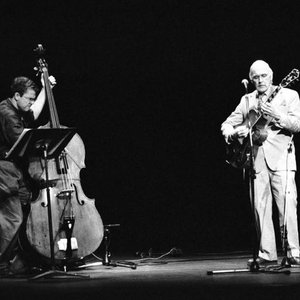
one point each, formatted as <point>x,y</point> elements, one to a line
<point>147,85</point>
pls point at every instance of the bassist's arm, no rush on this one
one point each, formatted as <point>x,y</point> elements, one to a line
<point>39,103</point>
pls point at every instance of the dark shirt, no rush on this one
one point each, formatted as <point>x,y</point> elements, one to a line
<point>12,124</point>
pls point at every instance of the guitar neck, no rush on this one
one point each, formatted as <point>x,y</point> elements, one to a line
<point>271,97</point>
<point>275,92</point>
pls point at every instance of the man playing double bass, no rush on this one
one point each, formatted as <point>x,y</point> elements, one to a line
<point>16,114</point>
<point>274,161</point>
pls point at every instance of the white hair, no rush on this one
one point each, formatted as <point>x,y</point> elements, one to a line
<point>260,64</point>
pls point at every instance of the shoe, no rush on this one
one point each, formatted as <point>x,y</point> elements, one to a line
<point>263,262</point>
<point>293,260</point>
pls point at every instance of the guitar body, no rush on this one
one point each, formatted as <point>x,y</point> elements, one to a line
<point>238,152</point>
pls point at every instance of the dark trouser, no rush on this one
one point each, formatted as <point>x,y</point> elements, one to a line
<point>13,195</point>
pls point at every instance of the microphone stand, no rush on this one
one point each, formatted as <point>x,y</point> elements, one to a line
<point>285,261</point>
<point>106,261</point>
<point>254,266</point>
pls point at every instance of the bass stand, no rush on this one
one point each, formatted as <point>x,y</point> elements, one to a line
<point>254,265</point>
<point>49,141</point>
<point>68,226</point>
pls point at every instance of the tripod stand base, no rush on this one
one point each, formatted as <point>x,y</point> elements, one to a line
<point>130,265</point>
<point>274,271</point>
<point>253,268</point>
<point>227,271</point>
<point>59,275</point>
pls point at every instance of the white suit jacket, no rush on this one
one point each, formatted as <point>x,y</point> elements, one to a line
<point>275,148</point>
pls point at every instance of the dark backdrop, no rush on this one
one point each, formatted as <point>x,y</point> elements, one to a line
<point>147,85</point>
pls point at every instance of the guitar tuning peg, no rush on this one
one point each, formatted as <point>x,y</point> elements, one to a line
<point>37,71</point>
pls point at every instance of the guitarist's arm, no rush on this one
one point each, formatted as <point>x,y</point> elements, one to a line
<point>227,132</point>
<point>234,127</point>
<point>288,116</point>
<point>230,133</point>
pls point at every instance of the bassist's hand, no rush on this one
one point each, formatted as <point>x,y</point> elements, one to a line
<point>52,81</point>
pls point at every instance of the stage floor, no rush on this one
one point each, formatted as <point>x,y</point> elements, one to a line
<point>183,277</point>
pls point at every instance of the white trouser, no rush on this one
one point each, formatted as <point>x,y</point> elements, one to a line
<point>280,186</point>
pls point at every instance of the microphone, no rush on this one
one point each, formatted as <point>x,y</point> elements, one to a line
<point>245,82</point>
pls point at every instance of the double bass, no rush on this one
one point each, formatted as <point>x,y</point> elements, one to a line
<point>77,226</point>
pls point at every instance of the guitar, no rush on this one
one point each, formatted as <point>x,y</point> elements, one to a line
<point>238,152</point>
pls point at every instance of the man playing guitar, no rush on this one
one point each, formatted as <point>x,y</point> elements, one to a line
<point>277,111</point>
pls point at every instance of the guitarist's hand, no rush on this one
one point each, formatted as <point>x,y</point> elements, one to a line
<point>269,110</point>
<point>240,132</point>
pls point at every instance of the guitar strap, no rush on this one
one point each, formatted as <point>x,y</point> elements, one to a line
<point>268,98</point>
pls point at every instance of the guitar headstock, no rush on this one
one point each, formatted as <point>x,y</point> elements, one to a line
<point>290,78</point>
